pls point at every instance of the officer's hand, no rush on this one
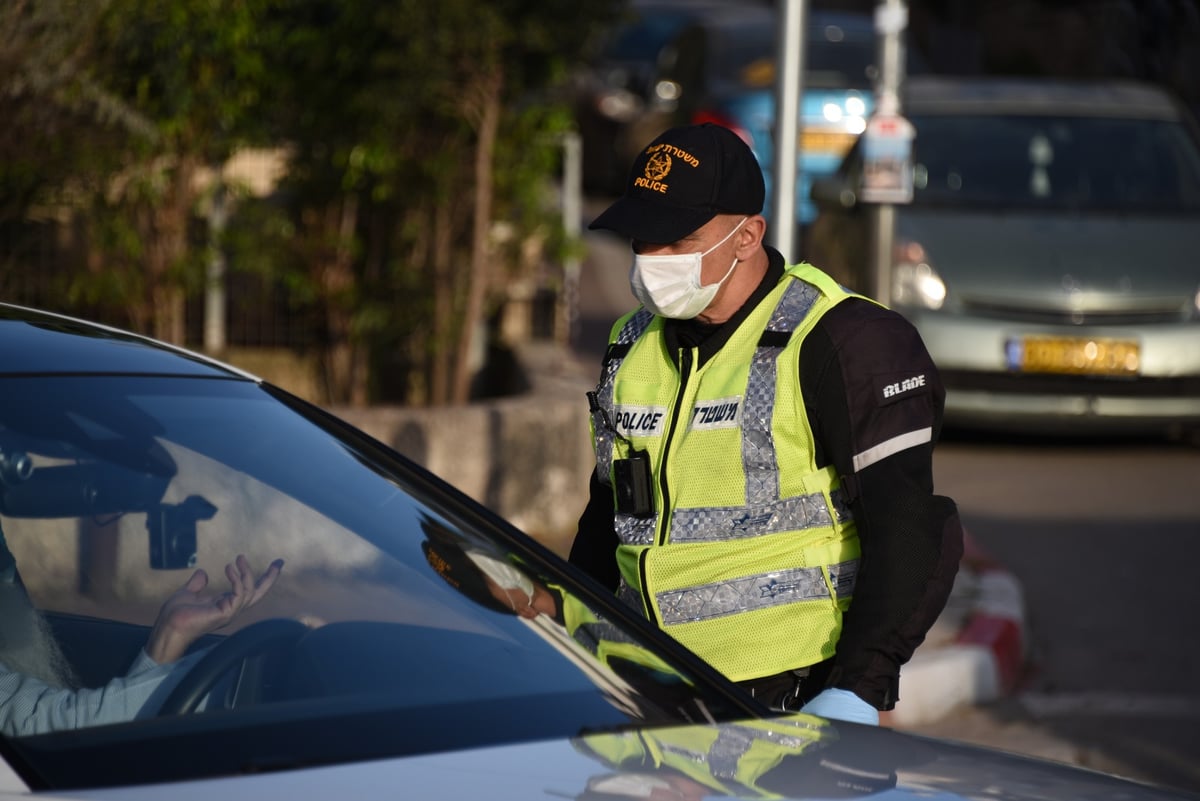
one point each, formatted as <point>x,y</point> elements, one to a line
<point>842,705</point>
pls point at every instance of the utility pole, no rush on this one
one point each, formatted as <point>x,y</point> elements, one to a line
<point>214,283</point>
<point>789,91</point>
<point>572,211</point>
<point>887,146</point>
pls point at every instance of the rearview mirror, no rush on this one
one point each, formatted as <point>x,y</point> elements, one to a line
<point>172,530</point>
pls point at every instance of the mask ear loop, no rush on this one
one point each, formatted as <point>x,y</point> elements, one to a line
<point>741,222</point>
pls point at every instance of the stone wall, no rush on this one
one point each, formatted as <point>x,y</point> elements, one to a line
<point>528,457</point>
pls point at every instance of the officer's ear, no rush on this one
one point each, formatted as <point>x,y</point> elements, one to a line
<point>750,236</point>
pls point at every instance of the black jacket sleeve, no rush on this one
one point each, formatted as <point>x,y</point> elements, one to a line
<point>595,547</point>
<point>875,401</point>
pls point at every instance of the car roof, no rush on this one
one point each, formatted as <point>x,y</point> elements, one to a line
<point>43,343</point>
<point>982,95</point>
<point>730,19</point>
<point>726,19</point>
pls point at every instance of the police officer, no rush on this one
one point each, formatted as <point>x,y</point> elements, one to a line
<point>763,487</point>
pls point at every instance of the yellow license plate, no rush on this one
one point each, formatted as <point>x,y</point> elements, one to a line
<point>1074,355</point>
<point>818,141</point>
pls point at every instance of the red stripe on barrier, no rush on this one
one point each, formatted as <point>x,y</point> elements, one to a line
<point>974,556</point>
<point>1002,636</point>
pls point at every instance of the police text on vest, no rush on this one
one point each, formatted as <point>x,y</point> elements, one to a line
<point>640,421</point>
<point>719,413</point>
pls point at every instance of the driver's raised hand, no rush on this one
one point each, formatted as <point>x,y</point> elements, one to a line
<point>188,614</point>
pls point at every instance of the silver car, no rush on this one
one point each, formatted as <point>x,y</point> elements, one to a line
<point>1051,253</point>
<point>415,646</point>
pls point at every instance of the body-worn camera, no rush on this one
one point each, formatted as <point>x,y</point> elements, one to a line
<point>631,477</point>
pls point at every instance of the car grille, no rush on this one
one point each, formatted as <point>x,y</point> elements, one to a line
<point>1037,384</point>
<point>1028,314</point>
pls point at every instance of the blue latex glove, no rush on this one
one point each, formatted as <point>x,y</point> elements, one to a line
<point>842,705</point>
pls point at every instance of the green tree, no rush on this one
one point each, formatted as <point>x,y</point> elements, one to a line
<point>193,69</point>
<point>60,126</point>
<point>396,113</point>
<point>415,133</point>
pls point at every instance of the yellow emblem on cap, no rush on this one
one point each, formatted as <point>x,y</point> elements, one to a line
<point>658,165</point>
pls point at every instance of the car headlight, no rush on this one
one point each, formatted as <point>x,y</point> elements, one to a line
<point>914,281</point>
<point>619,105</point>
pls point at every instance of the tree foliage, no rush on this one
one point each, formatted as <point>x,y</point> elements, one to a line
<point>398,191</point>
<point>416,133</point>
<point>59,124</point>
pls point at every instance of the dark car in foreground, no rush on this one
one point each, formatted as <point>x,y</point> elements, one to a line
<point>1048,256</point>
<point>415,645</point>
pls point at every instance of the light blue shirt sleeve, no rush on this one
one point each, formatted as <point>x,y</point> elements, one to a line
<point>30,706</point>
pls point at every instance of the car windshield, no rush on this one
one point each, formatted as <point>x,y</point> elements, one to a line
<point>1068,162</point>
<point>391,630</point>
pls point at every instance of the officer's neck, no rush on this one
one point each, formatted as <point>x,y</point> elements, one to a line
<point>710,336</point>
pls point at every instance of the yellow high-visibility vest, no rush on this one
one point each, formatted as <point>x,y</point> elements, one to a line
<point>749,556</point>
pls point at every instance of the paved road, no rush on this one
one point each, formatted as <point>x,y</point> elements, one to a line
<point>1104,537</point>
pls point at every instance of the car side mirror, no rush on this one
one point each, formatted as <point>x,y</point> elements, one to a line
<point>833,192</point>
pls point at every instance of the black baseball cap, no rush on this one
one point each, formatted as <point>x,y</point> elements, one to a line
<point>683,179</point>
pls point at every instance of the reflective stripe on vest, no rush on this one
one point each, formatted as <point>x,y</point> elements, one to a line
<point>748,593</point>
<point>601,434</point>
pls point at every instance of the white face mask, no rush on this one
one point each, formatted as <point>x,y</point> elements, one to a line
<point>670,285</point>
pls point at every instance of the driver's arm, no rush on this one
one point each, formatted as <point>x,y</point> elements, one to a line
<point>31,706</point>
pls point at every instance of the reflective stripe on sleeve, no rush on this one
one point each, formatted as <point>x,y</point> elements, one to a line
<point>894,445</point>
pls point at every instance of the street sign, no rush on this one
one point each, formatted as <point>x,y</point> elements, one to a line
<point>887,159</point>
